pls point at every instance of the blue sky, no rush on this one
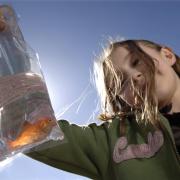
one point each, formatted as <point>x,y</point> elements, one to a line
<point>67,35</point>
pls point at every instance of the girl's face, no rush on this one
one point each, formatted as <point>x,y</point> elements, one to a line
<point>135,70</point>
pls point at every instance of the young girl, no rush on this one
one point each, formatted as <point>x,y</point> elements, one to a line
<point>138,82</point>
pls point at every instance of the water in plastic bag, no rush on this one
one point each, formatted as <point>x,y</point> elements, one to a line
<point>26,115</point>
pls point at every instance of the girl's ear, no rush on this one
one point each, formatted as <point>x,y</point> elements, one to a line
<point>167,55</point>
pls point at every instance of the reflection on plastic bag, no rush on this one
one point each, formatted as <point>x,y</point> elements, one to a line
<point>26,114</point>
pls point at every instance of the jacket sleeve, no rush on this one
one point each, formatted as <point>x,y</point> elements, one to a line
<point>84,150</point>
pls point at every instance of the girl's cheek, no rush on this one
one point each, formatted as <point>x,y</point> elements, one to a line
<point>127,95</point>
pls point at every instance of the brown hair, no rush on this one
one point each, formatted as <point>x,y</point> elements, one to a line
<point>108,83</point>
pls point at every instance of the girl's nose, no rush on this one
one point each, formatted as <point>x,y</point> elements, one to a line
<point>138,78</point>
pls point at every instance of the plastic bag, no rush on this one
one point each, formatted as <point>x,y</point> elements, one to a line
<point>26,115</point>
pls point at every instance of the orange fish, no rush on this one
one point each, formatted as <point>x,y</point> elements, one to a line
<point>32,133</point>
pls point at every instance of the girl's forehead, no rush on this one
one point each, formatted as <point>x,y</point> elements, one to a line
<point>119,56</point>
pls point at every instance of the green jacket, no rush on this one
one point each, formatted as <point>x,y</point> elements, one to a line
<point>97,152</point>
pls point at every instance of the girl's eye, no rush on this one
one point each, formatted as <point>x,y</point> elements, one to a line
<point>135,62</point>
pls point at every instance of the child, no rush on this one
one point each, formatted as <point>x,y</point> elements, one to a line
<point>135,79</point>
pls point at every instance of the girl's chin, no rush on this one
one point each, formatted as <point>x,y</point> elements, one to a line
<point>138,102</point>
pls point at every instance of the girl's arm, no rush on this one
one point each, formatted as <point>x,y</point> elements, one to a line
<point>84,151</point>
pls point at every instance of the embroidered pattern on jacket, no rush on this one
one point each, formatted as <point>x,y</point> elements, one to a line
<point>123,152</point>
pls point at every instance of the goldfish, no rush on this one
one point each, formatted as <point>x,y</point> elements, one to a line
<point>32,133</point>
